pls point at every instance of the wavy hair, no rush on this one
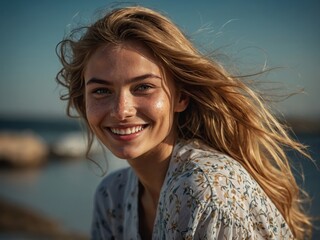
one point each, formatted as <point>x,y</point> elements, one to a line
<point>223,111</point>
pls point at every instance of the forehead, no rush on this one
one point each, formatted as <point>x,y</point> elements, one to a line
<point>130,54</point>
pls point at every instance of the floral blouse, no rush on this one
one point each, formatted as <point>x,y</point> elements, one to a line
<point>205,195</point>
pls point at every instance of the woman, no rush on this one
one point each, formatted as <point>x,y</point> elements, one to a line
<point>206,156</point>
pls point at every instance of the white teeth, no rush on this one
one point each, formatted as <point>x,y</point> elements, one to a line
<point>126,131</point>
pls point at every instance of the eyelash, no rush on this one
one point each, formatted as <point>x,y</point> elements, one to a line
<point>101,91</point>
<point>143,87</point>
<point>105,91</point>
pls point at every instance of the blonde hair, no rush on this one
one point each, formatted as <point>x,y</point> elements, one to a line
<point>223,111</point>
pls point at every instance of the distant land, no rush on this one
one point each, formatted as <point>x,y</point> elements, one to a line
<point>40,124</point>
<point>298,125</point>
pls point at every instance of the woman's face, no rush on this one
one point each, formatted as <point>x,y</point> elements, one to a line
<point>130,104</point>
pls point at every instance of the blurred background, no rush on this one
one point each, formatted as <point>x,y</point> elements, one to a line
<point>46,182</point>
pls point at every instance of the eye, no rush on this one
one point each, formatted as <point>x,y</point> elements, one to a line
<point>101,91</point>
<point>143,87</point>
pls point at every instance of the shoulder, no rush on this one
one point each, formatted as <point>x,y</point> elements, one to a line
<point>203,167</point>
<point>192,160</point>
<point>223,190</point>
<point>115,179</point>
<point>114,183</point>
<point>200,173</point>
<point>217,180</point>
<point>115,198</point>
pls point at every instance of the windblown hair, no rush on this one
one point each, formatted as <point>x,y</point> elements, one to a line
<point>223,111</point>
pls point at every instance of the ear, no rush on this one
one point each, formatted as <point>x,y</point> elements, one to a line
<point>182,102</point>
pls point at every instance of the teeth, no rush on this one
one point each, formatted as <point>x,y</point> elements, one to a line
<point>126,131</point>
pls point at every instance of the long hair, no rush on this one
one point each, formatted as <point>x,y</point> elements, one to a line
<point>224,112</point>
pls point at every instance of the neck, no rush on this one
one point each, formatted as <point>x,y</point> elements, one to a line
<point>151,170</point>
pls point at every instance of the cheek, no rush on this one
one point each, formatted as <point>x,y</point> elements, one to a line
<point>161,107</point>
<point>94,112</point>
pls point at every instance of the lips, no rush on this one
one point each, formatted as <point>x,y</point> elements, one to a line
<point>127,130</point>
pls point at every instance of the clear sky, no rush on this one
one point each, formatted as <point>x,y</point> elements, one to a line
<point>286,33</point>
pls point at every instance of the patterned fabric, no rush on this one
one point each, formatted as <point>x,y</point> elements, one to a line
<point>205,195</point>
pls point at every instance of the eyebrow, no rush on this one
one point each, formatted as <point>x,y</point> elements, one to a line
<point>132,80</point>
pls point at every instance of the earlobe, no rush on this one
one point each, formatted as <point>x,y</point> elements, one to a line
<point>183,103</point>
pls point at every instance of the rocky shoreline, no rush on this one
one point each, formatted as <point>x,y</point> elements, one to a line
<point>16,220</point>
<point>25,147</point>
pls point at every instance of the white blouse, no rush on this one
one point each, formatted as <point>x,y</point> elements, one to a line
<point>205,195</point>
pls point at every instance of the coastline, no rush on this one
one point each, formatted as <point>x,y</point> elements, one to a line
<point>16,220</point>
<point>300,127</point>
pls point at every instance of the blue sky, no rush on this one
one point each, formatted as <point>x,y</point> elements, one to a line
<point>285,33</point>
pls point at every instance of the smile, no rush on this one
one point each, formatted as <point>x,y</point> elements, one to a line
<point>127,131</point>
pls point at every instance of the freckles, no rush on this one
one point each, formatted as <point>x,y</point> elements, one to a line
<point>89,107</point>
<point>93,112</point>
<point>90,114</point>
<point>161,105</point>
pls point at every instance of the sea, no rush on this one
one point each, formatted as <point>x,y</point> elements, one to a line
<point>63,188</point>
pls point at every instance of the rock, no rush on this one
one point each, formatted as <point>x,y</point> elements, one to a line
<point>20,221</point>
<point>74,145</point>
<point>25,149</point>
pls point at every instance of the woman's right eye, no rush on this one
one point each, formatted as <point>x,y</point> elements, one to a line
<point>101,91</point>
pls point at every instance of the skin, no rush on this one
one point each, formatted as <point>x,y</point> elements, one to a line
<point>131,106</point>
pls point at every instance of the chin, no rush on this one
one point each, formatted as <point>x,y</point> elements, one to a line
<point>125,155</point>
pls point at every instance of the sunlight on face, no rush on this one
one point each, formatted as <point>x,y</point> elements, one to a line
<point>130,105</point>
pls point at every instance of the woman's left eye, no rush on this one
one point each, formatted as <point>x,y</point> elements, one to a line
<point>143,87</point>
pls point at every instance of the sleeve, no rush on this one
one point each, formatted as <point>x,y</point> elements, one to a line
<point>193,210</point>
<point>100,227</point>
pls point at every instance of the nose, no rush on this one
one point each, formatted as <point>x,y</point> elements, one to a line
<point>122,107</point>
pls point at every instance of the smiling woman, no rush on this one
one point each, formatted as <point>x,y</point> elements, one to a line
<point>206,157</point>
<point>130,104</point>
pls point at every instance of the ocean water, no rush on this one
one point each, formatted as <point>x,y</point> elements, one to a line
<point>63,189</point>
